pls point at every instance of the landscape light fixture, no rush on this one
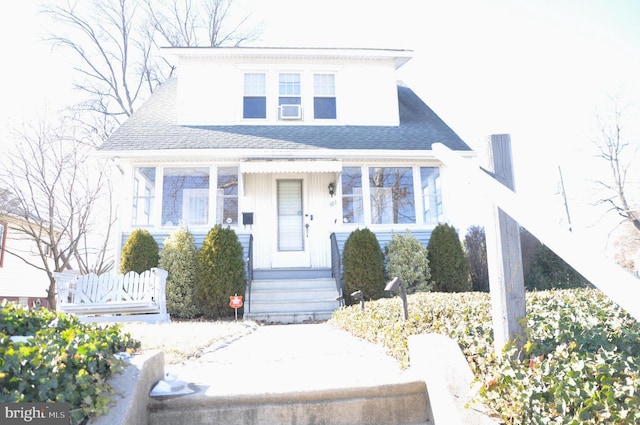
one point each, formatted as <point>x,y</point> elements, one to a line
<point>395,285</point>
<point>359,296</point>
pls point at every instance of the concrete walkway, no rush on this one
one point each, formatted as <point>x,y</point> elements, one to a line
<point>289,358</point>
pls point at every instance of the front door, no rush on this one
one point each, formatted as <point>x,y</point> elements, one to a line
<point>291,242</point>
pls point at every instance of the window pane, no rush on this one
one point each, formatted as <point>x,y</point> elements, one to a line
<point>185,196</point>
<point>227,196</point>
<point>431,196</point>
<point>255,84</point>
<point>254,107</point>
<point>289,101</point>
<point>324,108</point>
<point>289,84</point>
<point>144,187</point>
<point>324,85</point>
<point>392,195</point>
<point>352,206</point>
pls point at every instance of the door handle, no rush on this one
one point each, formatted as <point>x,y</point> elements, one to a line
<point>307,228</point>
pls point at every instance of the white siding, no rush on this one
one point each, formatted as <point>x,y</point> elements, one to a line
<point>211,92</point>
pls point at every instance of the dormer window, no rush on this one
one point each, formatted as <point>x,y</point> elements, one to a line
<point>324,96</point>
<point>289,93</point>
<point>255,96</point>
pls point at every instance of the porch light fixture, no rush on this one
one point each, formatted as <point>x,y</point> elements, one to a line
<point>332,188</point>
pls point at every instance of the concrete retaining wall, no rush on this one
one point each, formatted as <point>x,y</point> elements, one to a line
<point>132,387</point>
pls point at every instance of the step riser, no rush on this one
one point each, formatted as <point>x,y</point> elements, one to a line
<point>293,307</point>
<point>291,273</point>
<point>406,406</point>
<point>276,295</point>
<point>289,318</point>
<point>293,284</point>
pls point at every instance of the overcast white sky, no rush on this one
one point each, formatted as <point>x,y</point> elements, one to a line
<point>535,69</point>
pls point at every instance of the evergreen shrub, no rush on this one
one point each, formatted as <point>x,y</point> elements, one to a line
<point>220,272</point>
<point>449,267</point>
<point>363,265</point>
<point>408,259</point>
<point>179,257</point>
<point>549,271</point>
<point>475,249</point>
<point>140,253</point>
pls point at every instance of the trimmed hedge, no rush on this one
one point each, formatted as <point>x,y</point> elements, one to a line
<point>139,253</point>
<point>449,266</point>
<point>220,272</point>
<point>179,257</point>
<point>363,265</point>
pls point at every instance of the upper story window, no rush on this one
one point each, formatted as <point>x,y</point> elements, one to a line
<point>289,96</point>
<point>255,96</point>
<point>324,96</point>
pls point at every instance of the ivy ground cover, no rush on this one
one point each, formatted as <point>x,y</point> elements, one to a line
<point>579,363</point>
<point>62,360</point>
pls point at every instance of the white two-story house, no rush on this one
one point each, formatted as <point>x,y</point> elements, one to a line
<point>293,148</point>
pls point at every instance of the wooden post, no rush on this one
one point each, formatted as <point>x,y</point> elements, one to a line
<point>504,257</point>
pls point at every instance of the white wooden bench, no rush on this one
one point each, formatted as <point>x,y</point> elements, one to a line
<point>111,297</point>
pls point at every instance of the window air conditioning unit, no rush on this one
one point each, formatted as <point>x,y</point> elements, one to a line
<point>290,112</point>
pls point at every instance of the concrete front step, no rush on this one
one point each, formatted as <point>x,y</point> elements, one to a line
<point>403,403</point>
<point>293,300</point>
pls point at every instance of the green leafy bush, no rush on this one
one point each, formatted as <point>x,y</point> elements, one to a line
<point>363,265</point>
<point>579,364</point>
<point>140,253</point>
<point>449,267</point>
<point>63,361</point>
<point>179,257</point>
<point>475,249</point>
<point>220,272</point>
<point>549,271</point>
<point>407,259</point>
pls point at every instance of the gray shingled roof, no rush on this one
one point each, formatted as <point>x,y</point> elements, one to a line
<point>153,127</point>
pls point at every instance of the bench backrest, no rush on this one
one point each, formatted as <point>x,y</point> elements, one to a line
<point>91,288</point>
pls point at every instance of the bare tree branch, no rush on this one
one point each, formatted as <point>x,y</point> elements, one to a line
<point>184,23</point>
<point>614,150</point>
<point>114,46</point>
<point>56,190</point>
